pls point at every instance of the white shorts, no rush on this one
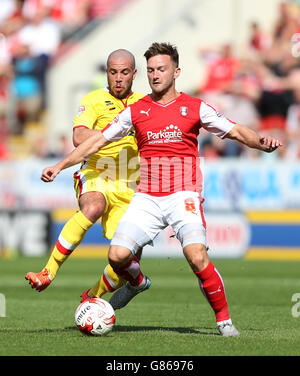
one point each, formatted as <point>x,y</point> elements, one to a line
<point>147,215</point>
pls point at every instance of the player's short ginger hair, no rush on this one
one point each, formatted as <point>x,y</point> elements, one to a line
<point>163,49</point>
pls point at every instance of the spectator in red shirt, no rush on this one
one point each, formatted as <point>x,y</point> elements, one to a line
<point>221,70</point>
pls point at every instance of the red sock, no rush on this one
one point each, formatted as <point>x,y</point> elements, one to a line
<point>131,272</point>
<point>212,286</point>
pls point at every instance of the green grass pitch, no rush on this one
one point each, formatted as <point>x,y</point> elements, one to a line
<point>172,318</point>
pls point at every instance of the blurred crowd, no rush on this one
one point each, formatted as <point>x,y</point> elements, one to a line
<point>258,86</point>
<point>32,34</point>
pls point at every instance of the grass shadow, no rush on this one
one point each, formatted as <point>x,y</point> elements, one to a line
<point>117,328</point>
<point>133,328</point>
<point>124,329</point>
<point>181,330</point>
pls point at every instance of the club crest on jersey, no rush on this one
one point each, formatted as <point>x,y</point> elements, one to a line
<point>81,109</point>
<point>183,110</point>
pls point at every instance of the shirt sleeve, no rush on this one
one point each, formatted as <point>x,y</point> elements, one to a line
<point>119,127</point>
<point>214,122</point>
<point>86,114</point>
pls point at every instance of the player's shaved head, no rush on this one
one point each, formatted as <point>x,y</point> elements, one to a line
<point>121,54</point>
<point>120,73</point>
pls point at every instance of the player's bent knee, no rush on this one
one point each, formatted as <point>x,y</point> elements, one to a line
<point>196,255</point>
<point>92,205</point>
<point>118,255</point>
<point>93,212</point>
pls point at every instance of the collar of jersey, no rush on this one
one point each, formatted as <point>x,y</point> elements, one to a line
<point>166,104</point>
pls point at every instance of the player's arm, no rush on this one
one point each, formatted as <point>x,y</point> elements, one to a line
<point>86,117</point>
<point>219,125</point>
<point>90,146</point>
<point>250,138</point>
<point>80,134</point>
<point>114,131</point>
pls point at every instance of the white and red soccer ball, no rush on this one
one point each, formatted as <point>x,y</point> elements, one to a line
<point>95,316</point>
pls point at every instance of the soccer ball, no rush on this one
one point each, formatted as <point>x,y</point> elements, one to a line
<point>95,317</point>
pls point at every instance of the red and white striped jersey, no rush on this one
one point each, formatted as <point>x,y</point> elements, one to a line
<point>167,141</point>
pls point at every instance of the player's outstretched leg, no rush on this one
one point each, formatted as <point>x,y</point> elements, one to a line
<point>136,283</point>
<point>108,282</point>
<point>212,286</point>
<point>39,281</point>
<point>70,237</point>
